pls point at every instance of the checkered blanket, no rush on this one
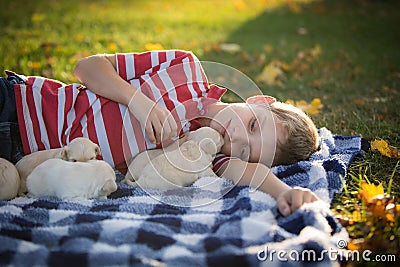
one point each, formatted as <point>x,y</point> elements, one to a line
<point>211,223</point>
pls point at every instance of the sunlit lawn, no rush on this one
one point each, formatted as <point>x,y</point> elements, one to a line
<point>344,52</point>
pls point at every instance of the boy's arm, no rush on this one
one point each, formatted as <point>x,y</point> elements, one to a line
<point>260,177</point>
<point>99,73</point>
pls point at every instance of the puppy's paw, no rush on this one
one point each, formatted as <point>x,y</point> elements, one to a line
<point>130,183</point>
<point>129,179</point>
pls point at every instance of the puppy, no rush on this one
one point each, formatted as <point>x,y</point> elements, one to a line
<point>80,149</point>
<point>9,180</point>
<point>72,180</point>
<point>177,166</point>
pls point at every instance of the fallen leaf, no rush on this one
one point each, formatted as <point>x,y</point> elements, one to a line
<point>385,149</point>
<point>382,206</point>
<point>353,246</point>
<point>302,31</point>
<point>37,17</point>
<point>154,46</point>
<point>369,191</point>
<point>377,206</point>
<point>240,5</point>
<point>359,101</point>
<point>294,7</point>
<point>112,47</point>
<point>268,48</point>
<point>271,74</point>
<point>316,51</point>
<point>34,64</point>
<point>231,48</point>
<point>311,108</point>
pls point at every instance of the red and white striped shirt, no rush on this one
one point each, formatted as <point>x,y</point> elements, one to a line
<point>51,113</point>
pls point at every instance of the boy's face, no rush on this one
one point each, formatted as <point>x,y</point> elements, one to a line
<point>250,132</point>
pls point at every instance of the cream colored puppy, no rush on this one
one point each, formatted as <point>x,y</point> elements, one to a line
<point>177,166</point>
<point>9,180</point>
<point>80,149</point>
<point>72,180</point>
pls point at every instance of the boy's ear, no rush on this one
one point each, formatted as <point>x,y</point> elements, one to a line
<point>261,99</point>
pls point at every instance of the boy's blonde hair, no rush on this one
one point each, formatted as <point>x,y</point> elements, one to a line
<point>300,132</point>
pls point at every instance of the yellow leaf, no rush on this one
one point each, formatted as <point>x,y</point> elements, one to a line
<point>290,102</point>
<point>240,5</point>
<point>385,149</point>
<point>37,17</point>
<point>154,46</point>
<point>316,51</point>
<point>271,74</point>
<point>112,47</point>
<point>311,108</point>
<point>369,191</point>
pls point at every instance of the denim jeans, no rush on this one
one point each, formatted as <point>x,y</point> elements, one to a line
<point>10,138</point>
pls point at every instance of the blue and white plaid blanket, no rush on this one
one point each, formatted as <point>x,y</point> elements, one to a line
<point>211,223</point>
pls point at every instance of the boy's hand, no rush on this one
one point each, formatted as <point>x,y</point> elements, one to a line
<point>290,200</point>
<point>158,121</point>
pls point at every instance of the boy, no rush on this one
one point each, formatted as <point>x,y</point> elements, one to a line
<point>136,101</point>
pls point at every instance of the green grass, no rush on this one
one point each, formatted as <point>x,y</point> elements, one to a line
<point>357,74</point>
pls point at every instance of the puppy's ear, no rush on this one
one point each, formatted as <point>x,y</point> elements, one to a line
<point>97,151</point>
<point>64,153</point>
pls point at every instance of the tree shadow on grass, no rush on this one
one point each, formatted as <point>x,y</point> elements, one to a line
<point>359,56</point>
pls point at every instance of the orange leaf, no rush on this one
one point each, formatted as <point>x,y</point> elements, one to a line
<point>385,149</point>
<point>359,101</point>
<point>353,246</point>
<point>377,206</point>
<point>34,65</point>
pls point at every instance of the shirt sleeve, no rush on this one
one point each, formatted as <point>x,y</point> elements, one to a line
<point>221,159</point>
<point>135,65</point>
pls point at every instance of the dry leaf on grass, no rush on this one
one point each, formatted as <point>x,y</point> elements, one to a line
<point>271,74</point>
<point>311,108</point>
<point>385,149</point>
